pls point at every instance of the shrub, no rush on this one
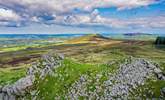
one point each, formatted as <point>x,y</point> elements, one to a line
<point>160,41</point>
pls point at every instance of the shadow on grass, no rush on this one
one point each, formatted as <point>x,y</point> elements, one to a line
<point>162,47</point>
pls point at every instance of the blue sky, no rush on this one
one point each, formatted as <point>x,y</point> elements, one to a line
<point>81,16</point>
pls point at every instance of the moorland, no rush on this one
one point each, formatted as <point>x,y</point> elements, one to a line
<point>86,54</point>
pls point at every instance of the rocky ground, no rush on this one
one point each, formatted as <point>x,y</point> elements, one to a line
<point>130,75</point>
<point>118,85</point>
<point>39,70</point>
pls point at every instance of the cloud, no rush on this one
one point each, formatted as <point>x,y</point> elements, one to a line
<point>8,15</point>
<point>141,22</point>
<point>58,6</point>
<point>19,12</point>
<point>95,19</point>
<point>10,18</point>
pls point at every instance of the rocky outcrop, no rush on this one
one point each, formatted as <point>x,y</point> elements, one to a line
<point>43,67</point>
<point>87,87</point>
<point>129,76</point>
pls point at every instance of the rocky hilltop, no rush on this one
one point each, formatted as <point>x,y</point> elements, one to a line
<point>129,76</point>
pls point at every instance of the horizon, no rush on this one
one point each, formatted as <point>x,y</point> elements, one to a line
<point>141,33</point>
<point>107,16</point>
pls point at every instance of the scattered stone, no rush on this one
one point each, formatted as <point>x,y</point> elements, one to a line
<point>129,76</point>
<point>119,85</point>
<point>43,67</point>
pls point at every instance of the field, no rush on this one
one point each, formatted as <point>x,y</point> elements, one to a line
<point>89,55</point>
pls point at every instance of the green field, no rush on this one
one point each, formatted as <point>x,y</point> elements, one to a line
<point>88,55</point>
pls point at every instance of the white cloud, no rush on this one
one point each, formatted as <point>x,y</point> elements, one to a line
<point>94,19</point>
<point>61,11</point>
<point>10,18</point>
<point>8,15</point>
<point>145,22</point>
<point>62,6</point>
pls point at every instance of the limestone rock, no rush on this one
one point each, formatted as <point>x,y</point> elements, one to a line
<point>43,67</point>
<point>129,76</point>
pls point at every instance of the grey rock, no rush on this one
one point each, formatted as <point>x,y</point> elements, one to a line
<point>163,91</point>
<point>157,71</point>
<point>10,92</point>
<point>130,75</point>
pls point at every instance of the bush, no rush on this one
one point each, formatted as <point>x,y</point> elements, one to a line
<point>160,41</point>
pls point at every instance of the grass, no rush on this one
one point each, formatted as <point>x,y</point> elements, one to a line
<point>12,49</point>
<point>70,71</point>
<point>26,44</point>
<point>102,54</point>
<point>83,39</point>
<point>90,38</point>
<point>151,89</point>
<point>82,59</point>
<point>8,75</point>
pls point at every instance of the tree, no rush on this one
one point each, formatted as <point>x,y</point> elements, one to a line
<point>160,41</point>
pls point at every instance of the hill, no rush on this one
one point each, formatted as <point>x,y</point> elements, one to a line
<point>136,34</point>
<point>91,38</point>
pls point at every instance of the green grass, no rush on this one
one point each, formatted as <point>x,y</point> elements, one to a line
<point>25,45</point>
<point>86,59</point>
<point>8,76</point>
<point>98,54</point>
<point>151,89</point>
<point>12,49</point>
<point>67,74</point>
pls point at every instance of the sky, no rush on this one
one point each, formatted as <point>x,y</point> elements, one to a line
<point>82,16</point>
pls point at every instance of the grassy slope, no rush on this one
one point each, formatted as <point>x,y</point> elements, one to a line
<point>112,52</point>
<point>8,75</point>
<point>91,38</point>
<point>151,89</point>
<point>88,58</point>
<point>83,39</point>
